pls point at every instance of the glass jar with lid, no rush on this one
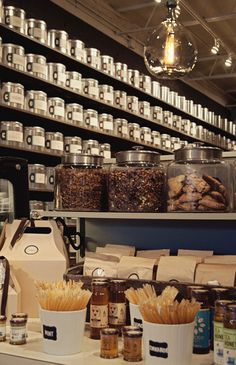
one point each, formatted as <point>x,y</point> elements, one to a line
<point>105,150</point>
<point>106,122</point>
<point>121,128</point>
<point>146,135</point>
<point>91,146</point>
<point>80,183</point>
<point>37,176</point>
<point>198,180</point>
<point>134,131</point>
<point>136,182</point>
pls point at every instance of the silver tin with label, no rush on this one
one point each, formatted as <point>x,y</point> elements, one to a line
<point>198,111</point>
<point>58,39</point>
<point>145,83</point>
<point>211,117</point>
<point>165,142</point>
<point>90,88</point>
<point>106,94</point>
<point>50,178</point>
<point>132,104</point>
<point>168,118</point>
<point>36,101</point>
<point>134,131</point>
<point>11,133</point>
<point>36,29</point>
<point>230,126</point>
<point>93,57</point>
<point>91,119</point>
<point>13,56</point>
<point>172,97</point>
<point>105,150</point>
<point>182,103</point>
<point>13,94</point>
<point>217,121</point>
<point>144,109</point>
<point>14,18</point>
<point>57,73</point>
<point>72,144</point>
<point>193,129</point>
<point>177,102</point>
<point>76,48</point>
<point>107,64</point>
<point>34,138</point>
<point>36,65</point>
<point>74,113</point>
<point>224,123</point>
<point>189,106</point>
<point>156,138</point>
<point>177,122</point>
<point>121,71</point>
<point>74,80</point>
<point>54,141</point>
<point>121,127</point>
<point>146,135</point>
<point>56,108</point>
<point>133,77</point>
<point>205,114</point>
<point>229,145</point>
<point>186,126</point>
<point>234,129</point>
<point>120,99</point>
<point>91,146</point>
<point>106,122</point>
<point>156,89</point>
<point>175,143</point>
<point>157,114</point>
<point>37,176</point>
<point>165,93</point>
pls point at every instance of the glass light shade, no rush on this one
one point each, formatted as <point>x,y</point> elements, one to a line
<point>170,51</point>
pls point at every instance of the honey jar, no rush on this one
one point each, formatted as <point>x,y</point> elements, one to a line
<point>109,343</point>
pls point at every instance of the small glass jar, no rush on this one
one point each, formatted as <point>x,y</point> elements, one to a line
<point>120,99</point>
<point>185,126</point>
<point>74,114</point>
<point>145,83</point>
<point>121,71</point>
<point>105,150</point>
<point>156,138</point>
<point>98,308</point>
<point>18,331</point>
<point>37,176</point>
<point>175,143</point>
<point>76,48</point>
<point>90,88</point>
<point>133,77</point>
<point>132,346</point>
<point>106,94</point>
<point>13,56</point>
<point>146,135</point>
<point>117,304</point>
<point>107,64</point>
<point>177,122</point>
<point>109,343</point>
<point>134,131</point>
<point>13,94</point>
<point>91,146</point>
<point>91,119</point>
<point>34,138</point>
<point>36,101</point>
<point>50,178</point>
<point>56,73</point>
<point>3,320</point>
<point>136,182</point>
<point>121,128</point>
<point>11,133</point>
<point>106,123</point>
<point>144,109</point>
<point>54,141</point>
<point>165,142</point>
<point>132,104</point>
<point>37,65</point>
<point>56,108</point>
<point>72,144</point>
<point>168,118</point>
<point>193,129</point>
<point>157,114</point>
<point>36,29</point>
<point>199,180</point>
<point>93,57</point>
<point>74,81</point>
<point>14,18</point>
<point>58,39</point>
<point>156,89</point>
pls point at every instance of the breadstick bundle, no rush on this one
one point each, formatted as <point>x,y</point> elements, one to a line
<point>62,296</point>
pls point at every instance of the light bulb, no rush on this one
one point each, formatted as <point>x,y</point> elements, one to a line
<point>216,47</point>
<point>170,50</point>
<point>228,61</point>
<point>158,1</point>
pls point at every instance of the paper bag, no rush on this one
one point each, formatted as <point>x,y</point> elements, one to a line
<point>223,274</point>
<point>221,259</point>
<point>153,254</point>
<point>201,253</point>
<point>179,268</point>
<point>109,250</point>
<point>130,249</point>
<point>136,267</point>
<point>100,265</point>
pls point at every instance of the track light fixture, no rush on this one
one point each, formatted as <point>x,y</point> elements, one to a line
<point>215,49</point>
<point>228,61</point>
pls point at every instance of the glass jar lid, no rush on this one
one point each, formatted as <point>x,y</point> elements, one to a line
<point>137,156</point>
<point>197,152</point>
<point>82,159</point>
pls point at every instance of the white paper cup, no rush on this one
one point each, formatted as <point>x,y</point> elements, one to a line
<point>63,332</point>
<point>135,316</point>
<point>168,344</point>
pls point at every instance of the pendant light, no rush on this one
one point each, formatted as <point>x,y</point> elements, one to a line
<point>170,50</point>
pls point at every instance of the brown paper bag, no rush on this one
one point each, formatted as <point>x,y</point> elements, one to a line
<point>221,259</point>
<point>101,265</point>
<point>130,249</point>
<point>180,268</point>
<point>108,250</point>
<point>201,253</point>
<point>136,267</point>
<point>153,254</point>
<point>223,274</point>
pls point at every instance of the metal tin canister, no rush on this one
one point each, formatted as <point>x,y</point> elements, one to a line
<point>175,143</point>
<point>156,89</point>
<point>177,122</point>
<point>107,64</point>
<point>34,138</point>
<point>13,94</point>
<point>72,144</point>
<point>56,108</point>
<point>106,93</point>
<point>132,103</point>
<point>198,111</point>
<point>133,77</point>
<point>193,129</point>
<point>36,65</point>
<point>156,138</point>
<point>57,73</point>
<point>134,131</point>
<point>146,135</point>
<point>36,101</point>
<point>164,93</point>
<point>121,71</point>
<point>37,176</point>
<point>36,29</point>
<point>106,122</point>
<point>120,99</point>
<point>182,102</point>
<point>93,57</point>
<point>11,133</point>
<point>105,150</point>
<point>157,114</point>
<point>76,48</point>
<point>172,97</point>
<point>54,141</point>
<point>144,108</point>
<point>145,83</point>
<point>90,88</point>
<point>74,80</point>
<point>168,118</point>
<point>91,146</point>
<point>14,56</point>
<point>74,113</point>
<point>91,118</point>
<point>165,141</point>
<point>58,39</point>
<point>14,18</point>
<point>121,127</point>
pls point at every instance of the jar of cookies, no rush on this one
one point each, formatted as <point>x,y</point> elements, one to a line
<point>198,180</point>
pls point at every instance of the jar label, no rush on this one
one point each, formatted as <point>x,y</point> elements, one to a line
<point>107,154</point>
<point>78,116</point>
<point>17,334</point>
<point>73,148</point>
<point>16,98</point>
<point>202,329</point>
<point>229,346</point>
<point>94,151</point>
<point>93,91</point>
<point>98,316</point>
<point>75,84</point>
<point>79,53</point>
<point>108,126</point>
<point>62,43</point>
<point>156,141</point>
<point>176,146</point>
<point>38,68</point>
<point>38,141</point>
<point>117,313</point>
<point>124,130</point>
<point>59,111</point>
<point>61,77</point>
<point>15,136</point>
<point>39,33</point>
<point>39,178</point>
<point>108,96</point>
<point>18,59</point>
<point>147,137</point>
<point>57,145</point>
<point>136,134</point>
<point>16,21</point>
<point>40,104</point>
<point>168,144</point>
<point>218,343</point>
<point>2,330</point>
<point>93,121</point>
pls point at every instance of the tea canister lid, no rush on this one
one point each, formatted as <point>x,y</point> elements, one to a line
<point>82,159</point>
<point>137,156</point>
<point>198,152</point>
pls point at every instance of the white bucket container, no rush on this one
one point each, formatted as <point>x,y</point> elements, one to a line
<point>63,332</point>
<point>168,344</point>
<point>135,316</point>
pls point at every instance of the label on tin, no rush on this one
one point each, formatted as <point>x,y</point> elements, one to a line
<point>59,111</point>
<point>17,334</point>
<point>108,96</point>
<point>75,84</point>
<point>93,91</point>
<point>79,53</point>
<point>93,121</point>
<point>107,154</point>
<point>78,116</point>
<point>39,178</point>
<point>156,141</point>
<point>16,21</point>
<point>202,329</point>
<point>57,145</point>
<point>108,125</point>
<point>16,98</point>
<point>176,146</point>
<point>2,330</point>
<point>168,144</point>
<point>40,104</point>
<point>94,151</point>
<point>229,346</point>
<point>38,33</point>
<point>15,136</point>
<point>61,77</point>
<point>98,316</point>
<point>124,130</point>
<point>38,141</point>
<point>147,137</point>
<point>136,134</point>
<point>218,343</point>
<point>73,148</point>
<point>62,43</point>
<point>117,313</point>
<point>38,68</point>
<point>18,59</point>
